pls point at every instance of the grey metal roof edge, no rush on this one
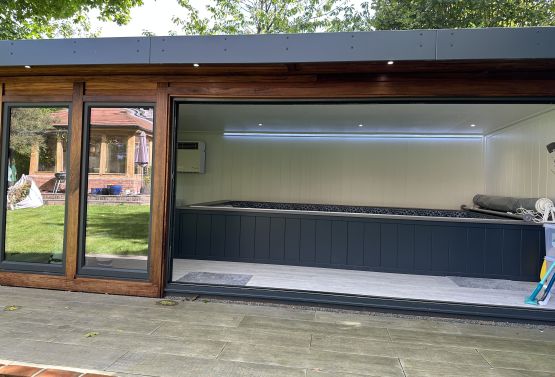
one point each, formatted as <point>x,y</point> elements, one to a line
<point>405,45</point>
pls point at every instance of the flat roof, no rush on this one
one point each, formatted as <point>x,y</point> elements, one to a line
<point>404,45</point>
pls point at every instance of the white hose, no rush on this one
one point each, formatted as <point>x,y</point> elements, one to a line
<point>545,208</point>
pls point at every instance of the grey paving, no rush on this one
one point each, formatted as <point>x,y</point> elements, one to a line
<point>136,337</point>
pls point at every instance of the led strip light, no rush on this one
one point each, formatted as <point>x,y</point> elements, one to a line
<point>349,136</point>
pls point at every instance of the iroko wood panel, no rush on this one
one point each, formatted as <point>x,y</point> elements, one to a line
<point>73,181</point>
<point>160,184</point>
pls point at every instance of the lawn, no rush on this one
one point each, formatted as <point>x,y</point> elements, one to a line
<point>36,234</point>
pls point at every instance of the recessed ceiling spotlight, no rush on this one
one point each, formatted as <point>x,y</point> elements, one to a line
<point>260,124</point>
<point>196,65</point>
<point>472,125</point>
<point>28,66</point>
<point>390,62</point>
<point>361,125</point>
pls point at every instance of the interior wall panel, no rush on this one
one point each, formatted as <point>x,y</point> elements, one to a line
<point>427,173</point>
<point>516,159</point>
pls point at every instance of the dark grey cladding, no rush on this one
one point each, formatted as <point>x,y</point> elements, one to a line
<point>407,45</point>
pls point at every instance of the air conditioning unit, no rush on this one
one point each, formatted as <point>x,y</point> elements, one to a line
<point>191,156</point>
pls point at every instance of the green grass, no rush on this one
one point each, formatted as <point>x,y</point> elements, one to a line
<point>36,234</point>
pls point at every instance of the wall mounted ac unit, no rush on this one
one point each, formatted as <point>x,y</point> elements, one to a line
<point>191,157</point>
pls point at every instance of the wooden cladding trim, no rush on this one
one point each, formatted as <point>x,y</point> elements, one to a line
<point>160,184</point>
<point>73,182</point>
<point>371,89</point>
<point>38,87</point>
<point>117,287</point>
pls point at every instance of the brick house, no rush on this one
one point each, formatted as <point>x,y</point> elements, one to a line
<point>114,140</point>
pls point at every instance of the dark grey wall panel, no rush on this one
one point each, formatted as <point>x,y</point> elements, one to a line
<point>458,245</point>
<point>477,249</point>
<point>511,251</point>
<point>248,227</point>
<point>496,43</point>
<point>277,238</point>
<point>507,251</point>
<point>217,236</point>
<point>422,248</point>
<point>405,247</point>
<point>355,244</point>
<point>372,244</point>
<point>388,245</point>
<point>75,51</point>
<point>204,230</point>
<point>262,238</point>
<point>494,247</point>
<point>323,242</point>
<point>308,241</point>
<point>232,237</point>
<point>296,48</point>
<point>292,240</point>
<point>339,243</point>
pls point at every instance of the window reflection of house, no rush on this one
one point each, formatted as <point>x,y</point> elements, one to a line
<point>113,142</point>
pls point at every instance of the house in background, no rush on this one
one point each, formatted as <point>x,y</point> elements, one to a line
<point>114,142</point>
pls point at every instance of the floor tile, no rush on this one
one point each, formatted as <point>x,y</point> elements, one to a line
<point>314,327</point>
<point>320,360</point>
<point>520,360</point>
<point>472,341</point>
<point>18,371</point>
<point>145,343</point>
<point>181,366</point>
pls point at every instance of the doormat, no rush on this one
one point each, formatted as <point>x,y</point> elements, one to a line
<point>508,285</point>
<point>215,278</point>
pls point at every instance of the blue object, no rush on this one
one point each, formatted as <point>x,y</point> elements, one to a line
<point>115,189</point>
<point>531,300</point>
<point>96,191</point>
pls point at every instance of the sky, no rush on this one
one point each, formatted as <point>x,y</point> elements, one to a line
<point>154,16</point>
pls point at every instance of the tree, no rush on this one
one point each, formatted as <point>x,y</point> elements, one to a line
<point>444,14</point>
<point>267,16</point>
<point>28,19</point>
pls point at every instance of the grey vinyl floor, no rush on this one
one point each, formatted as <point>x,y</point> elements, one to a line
<point>422,287</point>
<point>133,336</point>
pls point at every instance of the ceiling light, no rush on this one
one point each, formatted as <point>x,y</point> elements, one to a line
<point>349,136</point>
<point>28,66</point>
<point>259,124</point>
<point>472,125</point>
<point>390,62</point>
<point>361,125</point>
<point>196,65</point>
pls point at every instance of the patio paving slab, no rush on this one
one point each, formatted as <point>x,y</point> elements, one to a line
<point>313,359</point>
<point>136,337</point>
<point>180,366</point>
<point>315,327</point>
<point>418,368</point>
<point>456,355</point>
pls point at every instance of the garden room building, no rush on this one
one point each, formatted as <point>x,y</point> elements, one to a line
<point>340,169</point>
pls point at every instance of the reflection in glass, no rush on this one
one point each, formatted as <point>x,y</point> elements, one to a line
<point>35,215</point>
<point>118,188</point>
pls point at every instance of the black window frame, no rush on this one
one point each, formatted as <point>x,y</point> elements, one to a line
<point>104,272</point>
<point>29,267</point>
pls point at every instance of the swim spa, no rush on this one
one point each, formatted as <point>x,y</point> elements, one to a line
<point>383,239</point>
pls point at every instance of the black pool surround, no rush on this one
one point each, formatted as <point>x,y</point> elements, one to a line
<point>400,240</point>
<point>395,211</point>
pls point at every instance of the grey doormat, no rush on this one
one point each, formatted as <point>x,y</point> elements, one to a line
<point>215,278</point>
<point>508,285</point>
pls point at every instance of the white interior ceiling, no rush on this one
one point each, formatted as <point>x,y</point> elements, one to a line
<point>346,118</point>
